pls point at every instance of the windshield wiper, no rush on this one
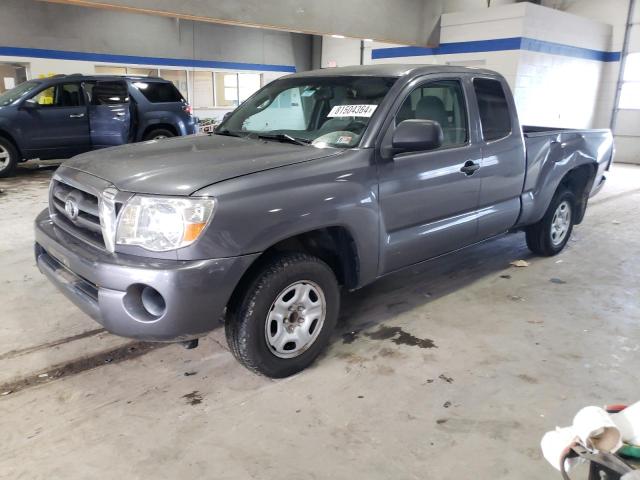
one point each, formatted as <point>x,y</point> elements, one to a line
<point>284,137</point>
<point>226,132</point>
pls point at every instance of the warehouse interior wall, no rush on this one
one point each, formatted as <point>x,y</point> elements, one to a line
<point>39,34</point>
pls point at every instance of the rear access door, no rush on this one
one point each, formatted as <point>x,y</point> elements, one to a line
<point>109,112</point>
<point>503,165</point>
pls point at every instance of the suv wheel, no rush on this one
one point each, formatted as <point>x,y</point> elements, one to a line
<point>286,316</point>
<point>159,134</point>
<point>550,235</point>
<point>8,158</point>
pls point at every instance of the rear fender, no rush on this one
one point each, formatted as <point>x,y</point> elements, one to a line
<point>550,159</point>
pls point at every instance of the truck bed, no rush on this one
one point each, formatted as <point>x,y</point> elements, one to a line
<point>550,153</point>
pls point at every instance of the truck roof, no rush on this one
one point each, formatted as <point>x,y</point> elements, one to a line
<point>391,70</point>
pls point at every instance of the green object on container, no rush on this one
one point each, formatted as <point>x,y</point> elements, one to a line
<point>629,451</point>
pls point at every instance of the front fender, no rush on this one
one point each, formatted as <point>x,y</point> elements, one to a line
<point>257,211</point>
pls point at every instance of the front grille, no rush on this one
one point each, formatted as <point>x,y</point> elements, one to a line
<point>76,211</point>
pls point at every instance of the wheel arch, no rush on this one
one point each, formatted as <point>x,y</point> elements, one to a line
<point>335,245</point>
<point>579,181</point>
<point>159,126</point>
<point>6,135</point>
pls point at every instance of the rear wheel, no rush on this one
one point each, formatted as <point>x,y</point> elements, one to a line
<point>550,235</point>
<point>8,158</point>
<point>159,134</point>
<point>286,317</point>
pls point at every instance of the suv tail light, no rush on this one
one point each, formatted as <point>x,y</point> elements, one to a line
<point>188,109</point>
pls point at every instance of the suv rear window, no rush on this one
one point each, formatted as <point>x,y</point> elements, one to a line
<point>159,92</point>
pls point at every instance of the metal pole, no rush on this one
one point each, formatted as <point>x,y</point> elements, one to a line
<point>361,52</point>
<point>623,62</point>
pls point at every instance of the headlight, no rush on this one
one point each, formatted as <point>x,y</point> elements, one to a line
<point>161,224</point>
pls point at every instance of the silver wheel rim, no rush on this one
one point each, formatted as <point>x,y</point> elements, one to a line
<point>159,137</point>
<point>295,319</point>
<point>560,223</point>
<point>5,158</point>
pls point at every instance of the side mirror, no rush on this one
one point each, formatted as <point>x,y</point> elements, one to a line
<point>29,104</point>
<point>417,135</point>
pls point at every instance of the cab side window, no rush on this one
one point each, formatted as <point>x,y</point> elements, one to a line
<point>494,110</point>
<point>62,95</point>
<point>443,102</point>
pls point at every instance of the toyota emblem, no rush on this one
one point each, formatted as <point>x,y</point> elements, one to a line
<point>71,207</point>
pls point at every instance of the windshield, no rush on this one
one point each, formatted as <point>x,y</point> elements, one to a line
<point>323,111</point>
<point>10,96</point>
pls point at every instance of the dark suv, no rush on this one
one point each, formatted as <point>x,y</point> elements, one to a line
<point>65,115</point>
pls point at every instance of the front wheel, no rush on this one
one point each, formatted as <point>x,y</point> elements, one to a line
<point>550,235</point>
<point>8,158</point>
<point>286,316</point>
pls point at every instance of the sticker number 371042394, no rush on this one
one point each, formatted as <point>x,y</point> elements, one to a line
<point>352,111</point>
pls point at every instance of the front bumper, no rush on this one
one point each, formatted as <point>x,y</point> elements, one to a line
<point>107,286</point>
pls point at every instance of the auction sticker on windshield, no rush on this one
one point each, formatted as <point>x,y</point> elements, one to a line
<point>352,111</point>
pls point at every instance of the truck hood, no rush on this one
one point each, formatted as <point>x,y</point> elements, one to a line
<point>181,166</point>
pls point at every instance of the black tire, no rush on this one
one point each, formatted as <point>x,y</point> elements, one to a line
<point>7,164</point>
<point>158,133</point>
<point>246,324</point>
<point>540,236</point>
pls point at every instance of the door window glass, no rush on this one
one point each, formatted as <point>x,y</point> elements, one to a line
<point>107,93</point>
<point>493,107</point>
<point>442,102</point>
<point>63,95</point>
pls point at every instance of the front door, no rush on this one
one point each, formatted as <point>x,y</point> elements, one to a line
<point>428,204</point>
<point>55,122</point>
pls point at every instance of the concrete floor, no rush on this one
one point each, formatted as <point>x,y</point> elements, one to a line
<point>452,370</point>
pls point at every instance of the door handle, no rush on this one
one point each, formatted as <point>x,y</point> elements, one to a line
<point>469,168</point>
<point>78,115</point>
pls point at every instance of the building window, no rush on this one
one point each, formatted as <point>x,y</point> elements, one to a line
<point>209,89</point>
<point>226,89</point>
<point>115,70</point>
<point>231,89</point>
<point>630,93</point>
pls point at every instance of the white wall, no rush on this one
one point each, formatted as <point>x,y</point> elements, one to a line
<point>340,52</point>
<point>560,90</point>
<point>550,89</point>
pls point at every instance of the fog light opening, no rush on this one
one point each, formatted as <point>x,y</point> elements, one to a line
<point>153,302</point>
<point>144,303</point>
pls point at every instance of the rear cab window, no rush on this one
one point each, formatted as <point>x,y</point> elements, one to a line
<point>494,109</point>
<point>159,92</point>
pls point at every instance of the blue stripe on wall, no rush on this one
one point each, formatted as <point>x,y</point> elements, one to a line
<point>136,60</point>
<point>449,48</point>
<point>568,50</point>
<point>498,44</point>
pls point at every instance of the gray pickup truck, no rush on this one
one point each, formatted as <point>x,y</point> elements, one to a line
<point>320,180</point>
